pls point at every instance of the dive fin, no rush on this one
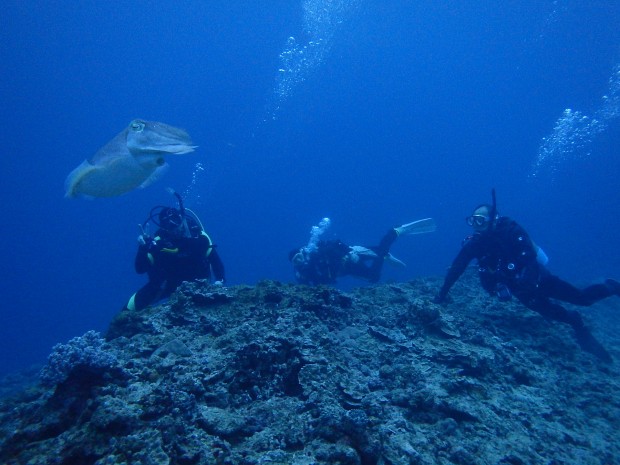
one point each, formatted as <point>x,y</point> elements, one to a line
<point>425,225</point>
<point>395,261</point>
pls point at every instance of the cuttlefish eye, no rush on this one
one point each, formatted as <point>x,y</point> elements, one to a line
<point>137,126</point>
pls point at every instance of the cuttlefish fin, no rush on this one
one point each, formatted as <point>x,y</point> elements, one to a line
<point>74,178</point>
<point>157,174</point>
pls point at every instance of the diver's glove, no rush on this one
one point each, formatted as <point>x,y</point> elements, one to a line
<point>145,239</point>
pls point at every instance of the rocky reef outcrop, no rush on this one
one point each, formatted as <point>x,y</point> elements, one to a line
<point>286,374</point>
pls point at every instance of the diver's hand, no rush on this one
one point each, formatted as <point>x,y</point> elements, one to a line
<point>144,239</point>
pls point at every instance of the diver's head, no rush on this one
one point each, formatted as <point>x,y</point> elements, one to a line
<point>171,221</point>
<point>481,219</point>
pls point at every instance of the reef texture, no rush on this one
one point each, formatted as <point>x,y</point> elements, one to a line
<point>286,374</point>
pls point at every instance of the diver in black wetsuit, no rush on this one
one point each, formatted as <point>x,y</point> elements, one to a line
<point>325,261</point>
<point>509,265</point>
<point>180,251</point>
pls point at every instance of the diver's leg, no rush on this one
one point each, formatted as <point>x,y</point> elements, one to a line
<point>366,267</point>
<point>386,242</point>
<point>170,286</point>
<point>369,267</point>
<point>147,294</point>
<point>125,323</point>
<point>583,336</point>
<point>374,270</point>
<point>553,311</point>
<point>556,288</point>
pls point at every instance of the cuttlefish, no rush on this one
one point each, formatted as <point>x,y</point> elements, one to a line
<point>134,158</point>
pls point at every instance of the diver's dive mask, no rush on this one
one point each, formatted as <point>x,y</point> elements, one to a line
<point>170,219</point>
<point>478,220</point>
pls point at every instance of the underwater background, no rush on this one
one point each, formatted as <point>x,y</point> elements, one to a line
<point>371,113</point>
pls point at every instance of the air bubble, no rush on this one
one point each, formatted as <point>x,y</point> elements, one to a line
<point>574,132</point>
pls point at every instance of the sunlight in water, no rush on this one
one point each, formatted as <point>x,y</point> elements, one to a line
<point>574,132</point>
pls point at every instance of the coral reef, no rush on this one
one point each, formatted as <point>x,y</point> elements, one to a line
<point>83,356</point>
<point>286,374</point>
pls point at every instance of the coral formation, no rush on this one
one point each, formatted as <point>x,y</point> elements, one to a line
<point>286,374</point>
<point>84,355</point>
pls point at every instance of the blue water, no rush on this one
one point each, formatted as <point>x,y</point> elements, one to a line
<point>370,113</point>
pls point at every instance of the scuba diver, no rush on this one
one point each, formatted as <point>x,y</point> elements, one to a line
<point>511,264</point>
<point>323,261</point>
<point>179,251</point>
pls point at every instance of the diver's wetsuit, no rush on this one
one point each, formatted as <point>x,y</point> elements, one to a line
<point>334,258</point>
<point>507,261</point>
<point>169,260</point>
